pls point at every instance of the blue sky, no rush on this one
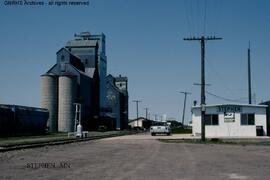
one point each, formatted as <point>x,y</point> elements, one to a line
<point>144,43</point>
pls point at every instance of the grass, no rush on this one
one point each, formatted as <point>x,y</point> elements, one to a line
<point>219,141</point>
<point>52,137</point>
<point>49,137</point>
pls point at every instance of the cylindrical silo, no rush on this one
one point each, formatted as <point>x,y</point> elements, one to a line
<point>66,109</point>
<point>49,99</point>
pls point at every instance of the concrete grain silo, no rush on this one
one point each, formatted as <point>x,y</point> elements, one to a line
<point>66,109</point>
<point>49,99</point>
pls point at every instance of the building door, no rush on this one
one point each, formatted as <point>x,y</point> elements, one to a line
<point>259,130</point>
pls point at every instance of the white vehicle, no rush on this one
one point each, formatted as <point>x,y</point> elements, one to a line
<point>160,129</point>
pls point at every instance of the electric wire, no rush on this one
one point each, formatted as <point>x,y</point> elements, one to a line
<point>223,98</point>
<point>220,78</point>
<point>218,16</point>
<point>197,15</point>
<point>205,8</point>
<point>192,17</point>
<point>188,17</point>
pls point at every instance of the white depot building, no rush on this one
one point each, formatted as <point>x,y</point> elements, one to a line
<point>226,120</point>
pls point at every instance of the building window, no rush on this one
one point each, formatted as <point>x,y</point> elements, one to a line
<point>211,119</point>
<point>247,119</point>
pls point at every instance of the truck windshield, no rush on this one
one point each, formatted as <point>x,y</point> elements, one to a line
<point>159,124</point>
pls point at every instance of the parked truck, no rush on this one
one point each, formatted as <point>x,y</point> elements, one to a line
<point>162,128</point>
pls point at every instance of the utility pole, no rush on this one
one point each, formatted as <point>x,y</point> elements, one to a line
<point>202,39</point>
<point>146,117</point>
<point>249,76</point>
<point>146,112</point>
<point>156,117</point>
<point>184,108</point>
<point>137,107</point>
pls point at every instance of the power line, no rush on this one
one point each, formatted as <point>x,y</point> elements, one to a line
<point>192,17</point>
<point>223,98</point>
<point>204,27</point>
<point>217,75</point>
<point>196,15</point>
<point>218,15</point>
<point>187,16</point>
<point>203,16</point>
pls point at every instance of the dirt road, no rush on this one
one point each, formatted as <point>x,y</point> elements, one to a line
<point>137,157</point>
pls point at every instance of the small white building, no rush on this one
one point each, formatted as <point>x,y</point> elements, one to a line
<point>136,122</point>
<point>227,120</point>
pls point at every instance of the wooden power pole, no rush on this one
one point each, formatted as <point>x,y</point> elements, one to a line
<point>137,108</point>
<point>146,113</point>
<point>184,108</point>
<point>249,76</point>
<point>202,39</point>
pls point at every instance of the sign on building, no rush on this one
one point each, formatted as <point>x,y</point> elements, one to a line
<point>229,117</point>
<point>229,108</point>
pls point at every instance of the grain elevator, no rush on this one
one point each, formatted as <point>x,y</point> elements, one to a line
<point>75,78</point>
<point>80,76</point>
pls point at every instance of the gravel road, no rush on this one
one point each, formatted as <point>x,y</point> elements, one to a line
<point>137,157</point>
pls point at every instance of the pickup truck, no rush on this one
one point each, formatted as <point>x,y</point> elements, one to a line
<point>160,129</point>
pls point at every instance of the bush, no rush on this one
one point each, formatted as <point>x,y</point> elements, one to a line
<point>180,130</point>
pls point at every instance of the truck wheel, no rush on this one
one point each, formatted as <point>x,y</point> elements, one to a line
<point>153,134</point>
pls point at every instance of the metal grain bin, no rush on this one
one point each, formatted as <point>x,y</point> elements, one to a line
<point>49,99</point>
<point>67,94</point>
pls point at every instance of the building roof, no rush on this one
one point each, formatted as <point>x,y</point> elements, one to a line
<point>65,49</point>
<point>90,72</point>
<point>265,103</point>
<point>139,118</point>
<point>82,43</point>
<point>246,105</point>
<point>81,73</point>
<point>49,73</point>
<point>67,73</point>
<point>13,107</point>
<point>121,78</point>
<point>110,79</point>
